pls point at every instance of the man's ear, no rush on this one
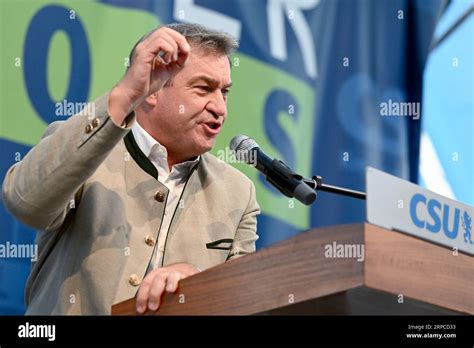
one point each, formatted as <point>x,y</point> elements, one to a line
<point>152,99</point>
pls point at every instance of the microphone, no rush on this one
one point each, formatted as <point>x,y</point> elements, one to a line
<point>276,172</point>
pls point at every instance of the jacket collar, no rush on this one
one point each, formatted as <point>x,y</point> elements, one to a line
<point>143,161</point>
<point>158,154</point>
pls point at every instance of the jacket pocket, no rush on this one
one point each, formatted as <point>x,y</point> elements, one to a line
<point>221,244</point>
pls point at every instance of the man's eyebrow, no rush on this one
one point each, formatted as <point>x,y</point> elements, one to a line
<point>209,80</point>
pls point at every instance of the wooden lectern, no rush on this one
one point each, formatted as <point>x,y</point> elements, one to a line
<point>400,275</point>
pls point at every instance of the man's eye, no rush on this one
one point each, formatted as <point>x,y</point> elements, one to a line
<point>204,88</point>
<point>225,92</point>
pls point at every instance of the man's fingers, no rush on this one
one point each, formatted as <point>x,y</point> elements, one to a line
<point>175,39</point>
<point>183,44</point>
<point>170,40</point>
<point>143,294</point>
<point>157,288</point>
<point>170,55</point>
<point>158,281</point>
<point>182,58</point>
<point>172,281</point>
<point>162,45</point>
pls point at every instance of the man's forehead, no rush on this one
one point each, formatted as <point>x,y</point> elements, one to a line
<point>208,67</point>
<point>210,80</point>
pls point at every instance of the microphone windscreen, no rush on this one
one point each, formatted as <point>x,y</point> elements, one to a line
<point>241,145</point>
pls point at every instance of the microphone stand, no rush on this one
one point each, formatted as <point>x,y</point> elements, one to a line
<point>316,183</point>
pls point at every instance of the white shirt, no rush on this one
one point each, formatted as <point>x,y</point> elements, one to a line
<point>174,180</point>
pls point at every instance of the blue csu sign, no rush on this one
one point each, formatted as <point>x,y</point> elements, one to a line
<point>400,205</point>
<point>442,217</point>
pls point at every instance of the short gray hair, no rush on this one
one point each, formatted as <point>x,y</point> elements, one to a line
<point>209,40</point>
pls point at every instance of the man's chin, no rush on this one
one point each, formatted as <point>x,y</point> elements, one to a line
<point>199,150</point>
<point>206,146</point>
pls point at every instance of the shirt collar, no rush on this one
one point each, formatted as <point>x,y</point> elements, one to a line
<point>156,152</point>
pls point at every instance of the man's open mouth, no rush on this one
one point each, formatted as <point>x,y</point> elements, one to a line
<point>212,127</point>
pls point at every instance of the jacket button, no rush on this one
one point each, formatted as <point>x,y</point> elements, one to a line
<point>95,122</point>
<point>160,196</point>
<point>134,280</point>
<point>89,128</point>
<point>149,240</point>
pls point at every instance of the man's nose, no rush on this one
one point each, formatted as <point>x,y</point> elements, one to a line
<point>217,105</point>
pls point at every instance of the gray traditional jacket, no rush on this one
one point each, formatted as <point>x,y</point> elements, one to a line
<point>98,206</point>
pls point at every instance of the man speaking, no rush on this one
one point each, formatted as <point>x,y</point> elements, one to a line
<point>127,199</point>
